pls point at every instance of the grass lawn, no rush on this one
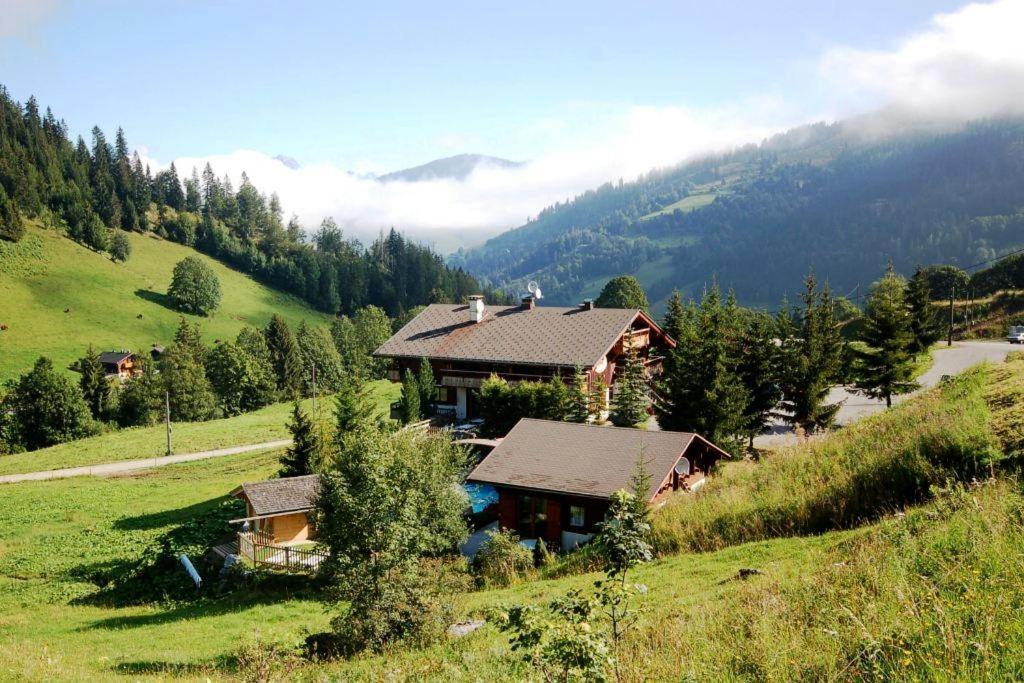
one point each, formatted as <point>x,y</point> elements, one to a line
<point>111,305</point>
<point>267,424</point>
<point>50,532</point>
<point>686,204</point>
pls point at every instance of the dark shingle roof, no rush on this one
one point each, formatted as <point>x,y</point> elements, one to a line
<point>544,335</point>
<point>275,496</point>
<point>114,357</point>
<point>580,459</point>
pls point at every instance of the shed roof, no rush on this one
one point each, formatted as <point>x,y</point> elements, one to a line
<point>114,357</point>
<point>543,335</point>
<point>580,459</point>
<point>275,496</point>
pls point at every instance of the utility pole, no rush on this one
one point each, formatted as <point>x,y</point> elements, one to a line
<point>167,419</point>
<point>952,291</point>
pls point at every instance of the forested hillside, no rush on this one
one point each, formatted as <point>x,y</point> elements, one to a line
<point>828,197</point>
<point>94,192</point>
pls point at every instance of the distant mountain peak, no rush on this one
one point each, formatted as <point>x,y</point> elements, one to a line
<point>288,161</point>
<point>457,167</point>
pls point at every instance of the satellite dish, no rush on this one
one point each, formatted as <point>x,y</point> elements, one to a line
<point>533,288</point>
<point>682,467</point>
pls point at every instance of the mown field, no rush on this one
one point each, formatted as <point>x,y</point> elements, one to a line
<point>58,297</point>
<point>267,424</point>
<point>876,564</point>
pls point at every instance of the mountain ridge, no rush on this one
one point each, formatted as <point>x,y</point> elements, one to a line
<point>458,167</point>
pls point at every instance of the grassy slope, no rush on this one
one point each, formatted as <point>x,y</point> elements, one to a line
<point>46,273</point>
<point>268,424</point>
<point>933,594</point>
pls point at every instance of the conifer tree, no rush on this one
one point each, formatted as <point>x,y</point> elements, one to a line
<point>284,354</point>
<point>352,410</point>
<point>93,382</point>
<point>305,455</point>
<point>811,356</point>
<point>631,393</point>
<point>120,247</point>
<point>885,368</point>
<point>184,378</point>
<point>410,401</point>
<point>701,390</point>
<point>923,322</point>
<point>189,338</point>
<point>675,316</point>
<point>759,372</point>
<point>427,387</point>
<point>578,409</point>
<point>598,398</point>
<point>11,228</point>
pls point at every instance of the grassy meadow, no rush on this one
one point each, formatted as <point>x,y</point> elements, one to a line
<point>112,305</point>
<point>875,565</point>
<point>267,424</point>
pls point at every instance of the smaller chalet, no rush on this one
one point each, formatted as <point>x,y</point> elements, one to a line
<point>555,479</point>
<point>119,364</point>
<point>279,508</point>
<point>467,343</point>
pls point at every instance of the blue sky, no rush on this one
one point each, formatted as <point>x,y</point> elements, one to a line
<point>587,92</point>
<point>390,84</point>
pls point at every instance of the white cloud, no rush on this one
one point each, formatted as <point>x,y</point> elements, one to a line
<point>968,63</point>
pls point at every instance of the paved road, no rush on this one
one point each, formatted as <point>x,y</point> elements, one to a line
<point>948,361</point>
<point>132,465</point>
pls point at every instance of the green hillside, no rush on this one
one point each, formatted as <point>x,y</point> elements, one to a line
<point>58,297</point>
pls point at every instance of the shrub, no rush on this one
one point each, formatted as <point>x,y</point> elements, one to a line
<point>501,560</point>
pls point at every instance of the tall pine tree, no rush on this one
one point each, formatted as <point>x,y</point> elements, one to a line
<point>885,368</point>
<point>632,392</point>
<point>284,355</point>
<point>306,454</point>
<point>923,320</point>
<point>701,389</point>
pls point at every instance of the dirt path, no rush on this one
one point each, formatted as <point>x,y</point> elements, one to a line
<point>133,465</point>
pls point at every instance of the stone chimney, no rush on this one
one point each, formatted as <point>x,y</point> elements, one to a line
<point>476,307</point>
<point>528,303</point>
<point>587,305</point>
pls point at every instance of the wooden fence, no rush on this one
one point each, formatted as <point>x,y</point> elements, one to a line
<point>259,548</point>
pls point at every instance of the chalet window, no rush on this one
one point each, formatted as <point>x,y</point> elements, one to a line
<point>577,516</point>
<point>532,512</point>
<point>442,394</point>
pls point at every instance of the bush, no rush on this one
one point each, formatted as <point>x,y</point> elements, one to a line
<point>120,246</point>
<point>501,561</point>
<point>194,286</point>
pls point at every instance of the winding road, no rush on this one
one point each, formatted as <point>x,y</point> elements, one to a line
<point>947,361</point>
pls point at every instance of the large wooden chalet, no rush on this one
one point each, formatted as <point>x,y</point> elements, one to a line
<point>466,343</point>
<point>555,479</point>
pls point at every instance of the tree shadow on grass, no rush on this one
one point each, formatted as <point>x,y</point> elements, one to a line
<point>207,670</point>
<point>157,298</point>
<point>156,520</point>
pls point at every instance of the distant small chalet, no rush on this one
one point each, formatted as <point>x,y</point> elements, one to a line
<point>466,343</point>
<point>555,479</point>
<point>119,364</point>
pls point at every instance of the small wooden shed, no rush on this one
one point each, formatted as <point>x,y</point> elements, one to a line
<point>280,508</point>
